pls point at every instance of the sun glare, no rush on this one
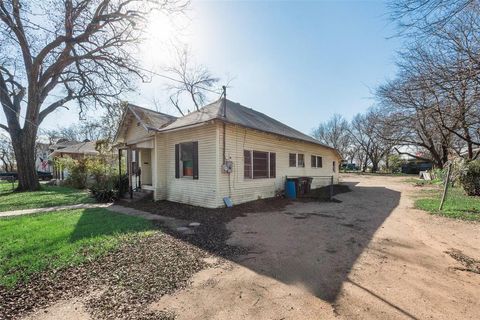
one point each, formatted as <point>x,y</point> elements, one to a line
<point>165,32</point>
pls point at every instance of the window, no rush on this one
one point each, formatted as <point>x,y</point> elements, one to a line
<point>292,159</point>
<point>317,161</point>
<point>301,160</point>
<point>186,160</point>
<point>334,166</point>
<point>259,164</point>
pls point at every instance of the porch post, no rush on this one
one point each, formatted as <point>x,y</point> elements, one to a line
<point>120,168</point>
<point>129,171</point>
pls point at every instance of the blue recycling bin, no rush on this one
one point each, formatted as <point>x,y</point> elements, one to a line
<point>290,189</point>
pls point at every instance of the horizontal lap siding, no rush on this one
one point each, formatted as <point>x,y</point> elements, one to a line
<point>243,190</point>
<point>135,133</point>
<point>201,192</point>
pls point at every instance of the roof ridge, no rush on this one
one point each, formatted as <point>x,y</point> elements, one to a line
<point>151,110</point>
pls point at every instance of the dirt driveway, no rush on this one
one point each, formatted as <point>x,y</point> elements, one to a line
<point>368,256</point>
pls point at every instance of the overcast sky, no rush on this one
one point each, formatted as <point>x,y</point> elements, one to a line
<point>299,62</point>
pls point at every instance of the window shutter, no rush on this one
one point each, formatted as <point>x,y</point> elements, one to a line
<point>247,164</point>
<point>195,160</point>
<point>313,160</point>
<point>177,161</point>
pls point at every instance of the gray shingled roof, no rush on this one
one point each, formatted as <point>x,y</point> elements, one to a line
<point>241,115</point>
<point>151,119</point>
<point>86,148</point>
<point>236,114</point>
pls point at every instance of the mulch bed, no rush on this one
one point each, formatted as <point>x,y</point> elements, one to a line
<point>142,270</point>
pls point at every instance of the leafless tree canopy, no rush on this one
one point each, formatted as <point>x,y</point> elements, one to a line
<point>7,157</point>
<point>99,128</point>
<point>194,81</point>
<point>57,51</point>
<point>423,17</point>
<point>334,133</point>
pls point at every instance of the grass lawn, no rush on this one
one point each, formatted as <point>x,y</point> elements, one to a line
<point>6,186</point>
<point>34,243</point>
<point>457,204</point>
<point>49,196</point>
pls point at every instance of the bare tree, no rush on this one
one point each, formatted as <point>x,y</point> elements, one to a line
<point>410,120</point>
<point>54,52</point>
<point>365,138</point>
<point>6,153</point>
<point>433,104</point>
<point>101,128</point>
<point>194,81</point>
<point>423,17</point>
<point>334,133</point>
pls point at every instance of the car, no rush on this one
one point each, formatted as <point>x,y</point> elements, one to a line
<point>44,175</point>
<point>8,176</point>
<point>14,176</point>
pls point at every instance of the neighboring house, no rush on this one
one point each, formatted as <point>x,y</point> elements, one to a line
<point>73,149</point>
<point>222,150</point>
<point>76,150</point>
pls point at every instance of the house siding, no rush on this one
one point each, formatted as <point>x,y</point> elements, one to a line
<point>135,133</point>
<point>241,190</point>
<point>199,192</point>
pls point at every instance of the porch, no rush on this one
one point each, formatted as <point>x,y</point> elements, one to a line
<point>139,165</point>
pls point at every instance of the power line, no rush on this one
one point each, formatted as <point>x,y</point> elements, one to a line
<point>18,114</point>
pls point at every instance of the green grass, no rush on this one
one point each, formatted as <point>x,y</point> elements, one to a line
<point>421,182</point>
<point>6,186</point>
<point>34,243</point>
<point>457,205</point>
<point>48,196</point>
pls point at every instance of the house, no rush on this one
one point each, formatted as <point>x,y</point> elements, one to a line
<point>222,150</point>
<point>72,149</point>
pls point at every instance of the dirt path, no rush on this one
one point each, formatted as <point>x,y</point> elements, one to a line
<point>370,256</point>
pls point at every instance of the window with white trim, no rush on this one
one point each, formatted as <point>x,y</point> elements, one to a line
<point>317,161</point>
<point>292,159</point>
<point>259,164</point>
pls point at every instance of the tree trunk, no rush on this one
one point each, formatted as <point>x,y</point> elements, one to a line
<point>23,142</point>
<point>365,164</point>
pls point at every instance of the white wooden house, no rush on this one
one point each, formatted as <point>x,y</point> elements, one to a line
<point>222,150</point>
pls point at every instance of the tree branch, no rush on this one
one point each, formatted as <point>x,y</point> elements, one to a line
<point>52,107</point>
<point>4,127</point>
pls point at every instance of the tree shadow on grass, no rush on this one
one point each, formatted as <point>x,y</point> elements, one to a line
<point>99,222</point>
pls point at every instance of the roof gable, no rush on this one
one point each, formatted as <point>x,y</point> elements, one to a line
<point>148,119</point>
